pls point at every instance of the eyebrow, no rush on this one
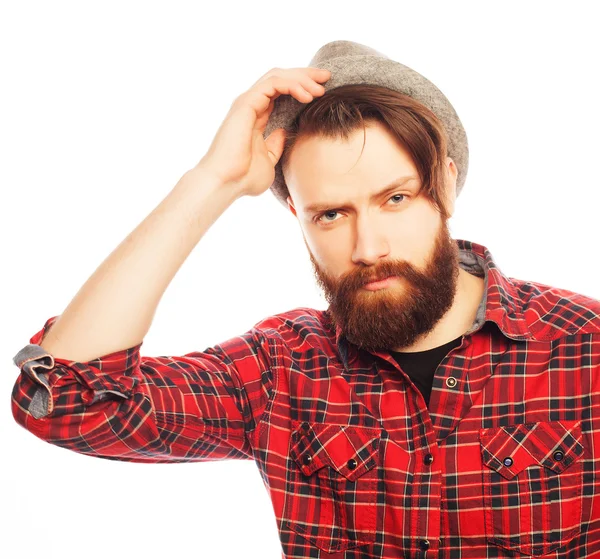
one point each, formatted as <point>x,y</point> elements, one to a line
<point>321,207</point>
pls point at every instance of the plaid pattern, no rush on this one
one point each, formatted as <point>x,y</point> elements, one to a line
<point>505,462</point>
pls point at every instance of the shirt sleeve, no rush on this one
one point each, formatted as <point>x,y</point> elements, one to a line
<point>123,406</point>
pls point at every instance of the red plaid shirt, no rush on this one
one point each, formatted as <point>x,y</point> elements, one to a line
<point>506,460</point>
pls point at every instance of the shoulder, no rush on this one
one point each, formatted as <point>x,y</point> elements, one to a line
<point>551,311</point>
<point>298,327</point>
<point>297,319</point>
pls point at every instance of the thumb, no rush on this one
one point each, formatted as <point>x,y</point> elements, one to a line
<point>275,144</point>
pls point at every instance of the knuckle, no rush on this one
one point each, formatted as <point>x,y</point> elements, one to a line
<point>273,72</point>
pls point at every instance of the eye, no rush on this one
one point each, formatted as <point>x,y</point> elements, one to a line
<point>328,212</point>
<point>319,218</point>
<point>395,196</point>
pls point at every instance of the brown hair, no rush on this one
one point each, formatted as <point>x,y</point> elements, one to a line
<point>342,110</point>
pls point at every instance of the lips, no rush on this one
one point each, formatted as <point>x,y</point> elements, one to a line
<point>377,285</point>
<point>375,280</point>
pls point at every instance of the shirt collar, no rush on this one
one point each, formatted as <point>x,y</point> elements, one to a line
<point>500,304</point>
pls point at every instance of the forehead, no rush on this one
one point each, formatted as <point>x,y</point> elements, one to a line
<point>322,170</point>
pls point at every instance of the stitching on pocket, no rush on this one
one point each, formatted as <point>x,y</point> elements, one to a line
<point>546,438</point>
<point>330,448</point>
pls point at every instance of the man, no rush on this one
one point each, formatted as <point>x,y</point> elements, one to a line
<point>437,407</point>
<point>428,300</point>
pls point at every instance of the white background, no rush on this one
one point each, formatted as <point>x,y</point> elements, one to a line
<point>104,105</point>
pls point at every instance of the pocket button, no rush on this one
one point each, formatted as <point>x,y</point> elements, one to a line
<point>307,459</point>
<point>507,461</point>
<point>558,455</point>
<point>352,463</point>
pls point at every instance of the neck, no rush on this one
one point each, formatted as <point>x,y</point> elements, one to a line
<point>460,316</point>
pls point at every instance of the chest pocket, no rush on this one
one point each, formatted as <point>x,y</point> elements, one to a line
<point>332,485</point>
<point>532,482</point>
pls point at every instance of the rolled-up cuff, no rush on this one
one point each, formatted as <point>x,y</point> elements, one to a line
<point>98,375</point>
<point>33,360</point>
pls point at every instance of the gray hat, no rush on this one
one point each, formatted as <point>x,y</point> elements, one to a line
<point>353,63</point>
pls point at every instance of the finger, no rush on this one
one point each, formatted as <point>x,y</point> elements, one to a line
<point>312,87</point>
<point>319,74</point>
<point>285,86</point>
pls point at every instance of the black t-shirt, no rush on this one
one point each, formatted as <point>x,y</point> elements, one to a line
<point>420,366</point>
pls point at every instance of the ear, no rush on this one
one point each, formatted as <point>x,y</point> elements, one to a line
<point>291,205</point>
<point>451,174</point>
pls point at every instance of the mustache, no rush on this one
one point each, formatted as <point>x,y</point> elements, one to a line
<point>347,286</point>
<point>360,277</point>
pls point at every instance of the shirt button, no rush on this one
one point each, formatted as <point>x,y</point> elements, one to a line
<point>508,461</point>
<point>428,459</point>
<point>307,459</point>
<point>451,382</point>
<point>424,544</point>
<point>558,455</point>
<point>352,463</point>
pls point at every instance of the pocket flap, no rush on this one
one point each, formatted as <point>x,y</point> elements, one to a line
<point>350,450</point>
<point>509,450</point>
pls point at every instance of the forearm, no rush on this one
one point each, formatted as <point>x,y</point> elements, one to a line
<point>114,309</point>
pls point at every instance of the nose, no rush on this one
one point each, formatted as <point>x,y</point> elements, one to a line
<point>371,244</point>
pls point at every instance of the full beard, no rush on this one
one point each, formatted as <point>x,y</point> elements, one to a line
<point>401,314</point>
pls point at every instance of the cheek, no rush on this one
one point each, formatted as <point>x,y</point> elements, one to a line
<point>425,244</point>
<point>412,237</point>
<point>330,249</point>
